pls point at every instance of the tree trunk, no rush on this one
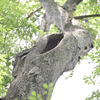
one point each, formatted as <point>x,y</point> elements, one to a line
<point>52,55</point>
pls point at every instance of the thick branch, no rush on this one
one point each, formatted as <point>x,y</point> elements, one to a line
<point>72,1</point>
<point>86,16</point>
<point>77,1</point>
<point>56,14</point>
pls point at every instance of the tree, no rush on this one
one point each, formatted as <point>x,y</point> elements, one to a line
<point>52,55</point>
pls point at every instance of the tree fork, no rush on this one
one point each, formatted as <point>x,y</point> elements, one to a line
<point>51,56</point>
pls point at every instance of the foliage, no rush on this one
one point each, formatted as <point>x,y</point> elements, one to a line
<point>53,29</point>
<point>48,92</point>
<point>15,30</point>
<point>89,7</point>
<point>17,33</point>
<point>92,7</point>
<point>60,2</point>
<point>95,96</point>
<point>70,76</point>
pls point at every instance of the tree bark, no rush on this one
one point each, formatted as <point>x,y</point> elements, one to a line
<point>52,55</point>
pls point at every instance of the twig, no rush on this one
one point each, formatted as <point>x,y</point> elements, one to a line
<point>86,16</point>
<point>33,12</point>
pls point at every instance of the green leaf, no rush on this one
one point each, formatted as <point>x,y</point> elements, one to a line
<point>40,99</point>
<point>51,89</point>
<point>45,92</point>
<point>51,85</point>
<point>94,76</point>
<point>2,58</point>
<point>1,39</point>
<point>48,98</point>
<point>45,86</point>
<point>32,98</point>
<point>1,18</point>
<point>86,81</point>
<point>34,93</point>
<point>38,95</point>
<point>49,93</point>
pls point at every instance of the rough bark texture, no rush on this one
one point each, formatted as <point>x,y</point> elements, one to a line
<point>52,55</point>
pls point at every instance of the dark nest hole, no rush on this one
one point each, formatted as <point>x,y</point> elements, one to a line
<point>53,41</point>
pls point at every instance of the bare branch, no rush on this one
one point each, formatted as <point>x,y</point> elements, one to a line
<point>86,16</point>
<point>33,12</point>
